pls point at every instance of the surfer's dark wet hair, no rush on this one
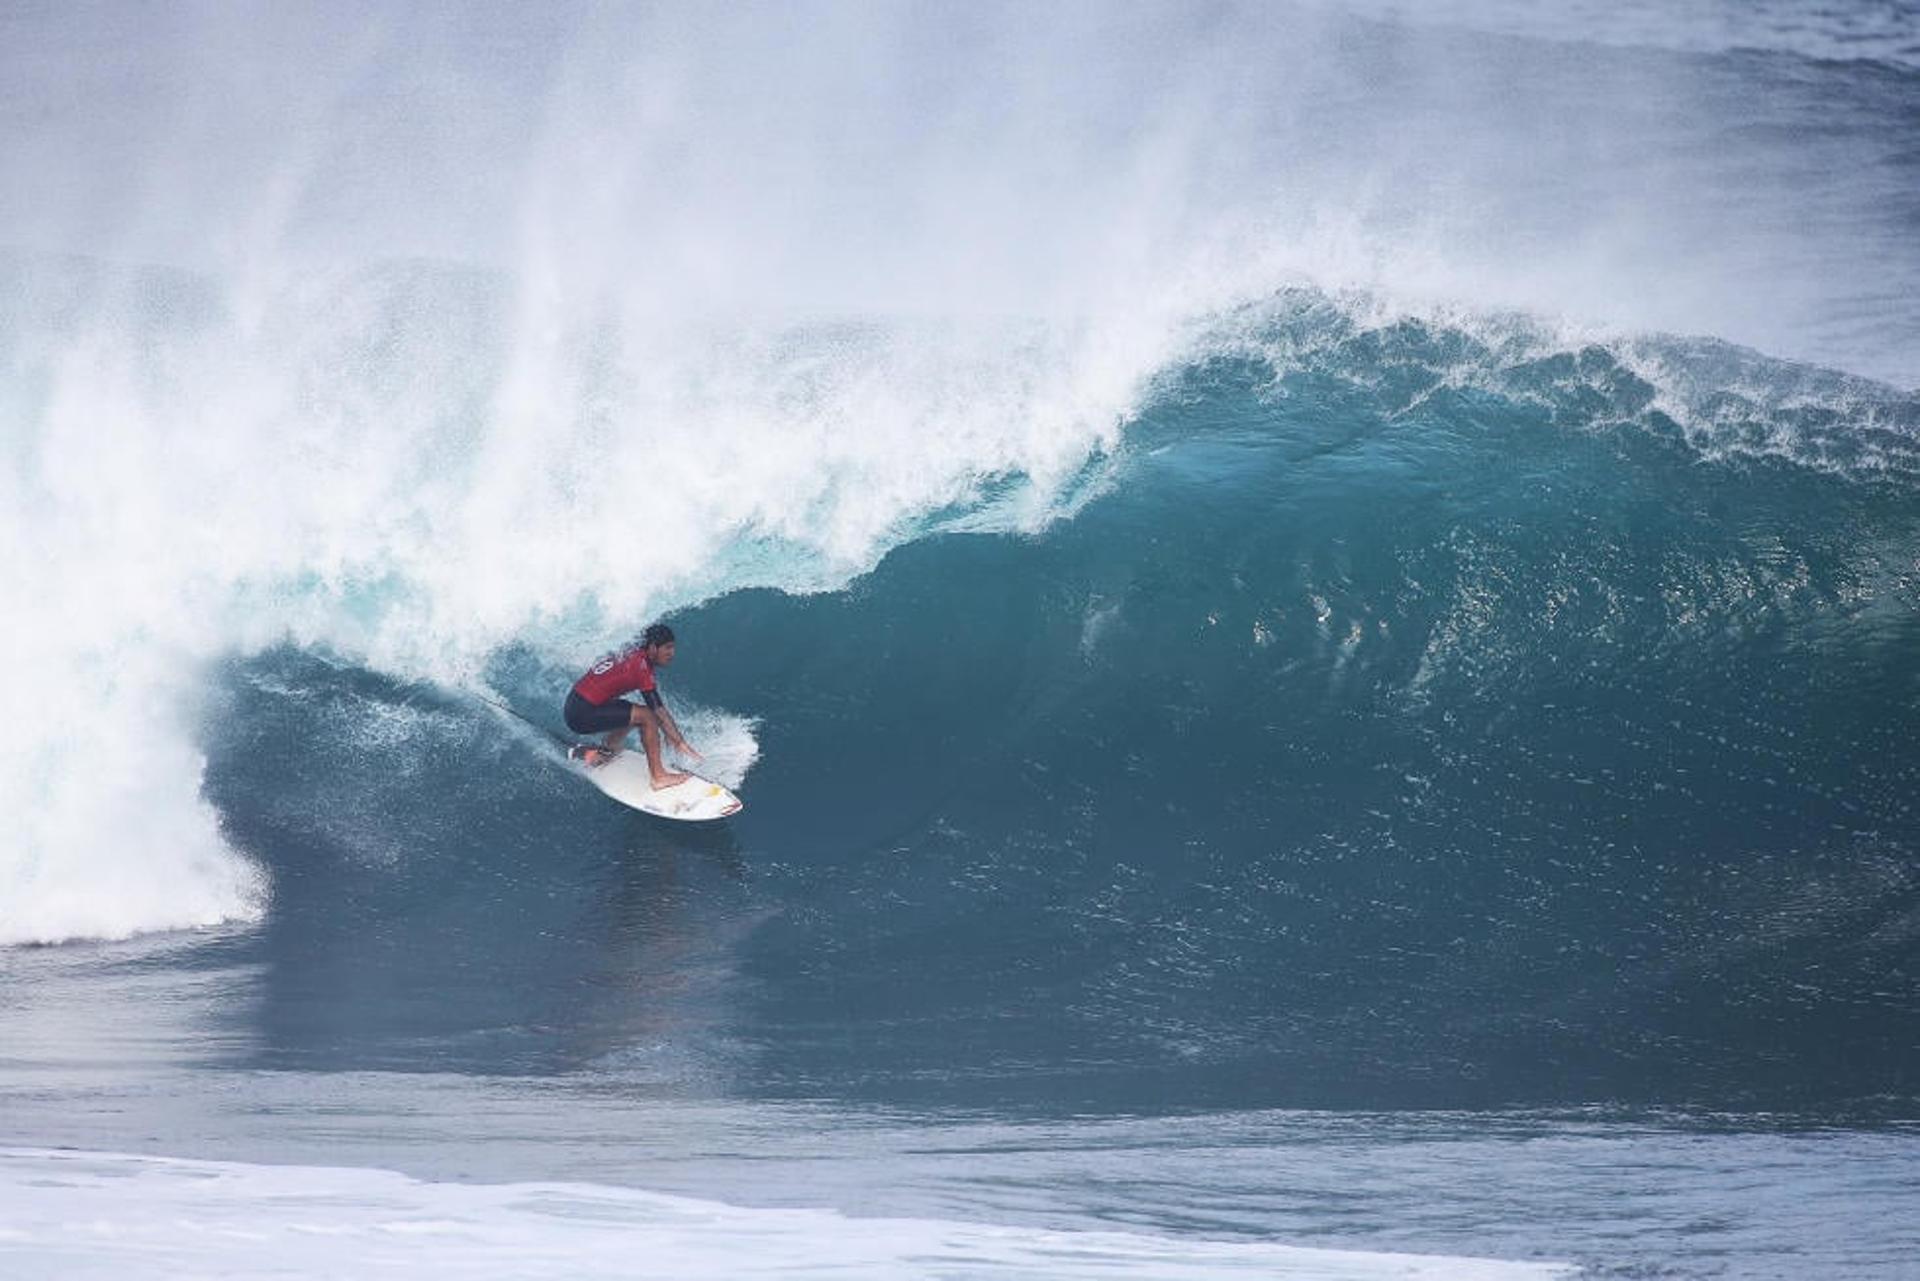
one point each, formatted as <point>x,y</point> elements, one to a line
<point>657,634</point>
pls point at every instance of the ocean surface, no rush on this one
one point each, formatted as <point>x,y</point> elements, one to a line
<point>1316,609</point>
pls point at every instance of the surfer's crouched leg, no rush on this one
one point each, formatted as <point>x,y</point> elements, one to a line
<point>611,719</point>
<point>643,720</point>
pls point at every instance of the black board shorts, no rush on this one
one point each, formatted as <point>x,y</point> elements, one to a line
<point>596,718</point>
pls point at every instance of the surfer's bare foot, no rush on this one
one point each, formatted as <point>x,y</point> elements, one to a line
<point>669,779</point>
<point>591,755</point>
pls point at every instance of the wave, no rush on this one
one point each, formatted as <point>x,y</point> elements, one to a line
<point>544,357</point>
<point>1410,721</point>
<point>1400,714</point>
<point>428,552</point>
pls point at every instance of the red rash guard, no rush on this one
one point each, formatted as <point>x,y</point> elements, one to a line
<point>616,674</point>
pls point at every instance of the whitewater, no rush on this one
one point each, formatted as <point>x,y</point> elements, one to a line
<point>1315,606</point>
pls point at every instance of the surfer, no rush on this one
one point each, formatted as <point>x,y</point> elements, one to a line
<point>594,705</point>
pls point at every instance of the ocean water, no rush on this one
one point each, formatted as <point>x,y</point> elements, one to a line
<point>1316,608</point>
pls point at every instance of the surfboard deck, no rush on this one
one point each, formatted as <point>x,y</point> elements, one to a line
<point>625,779</point>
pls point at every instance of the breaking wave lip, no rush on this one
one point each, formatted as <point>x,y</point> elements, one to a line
<point>1725,401</point>
<point>107,1214</point>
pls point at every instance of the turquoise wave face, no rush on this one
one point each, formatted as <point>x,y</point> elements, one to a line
<point>1350,752</point>
<point>1378,737</point>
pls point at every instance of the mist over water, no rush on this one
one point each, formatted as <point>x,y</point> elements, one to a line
<point>662,164</point>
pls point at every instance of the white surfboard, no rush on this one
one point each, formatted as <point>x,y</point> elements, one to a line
<point>625,779</point>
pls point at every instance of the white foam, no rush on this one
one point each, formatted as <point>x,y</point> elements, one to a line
<point>106,834</point>
<point>726,742</point>
<point>186,492</point>
<point>79,1215</point>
